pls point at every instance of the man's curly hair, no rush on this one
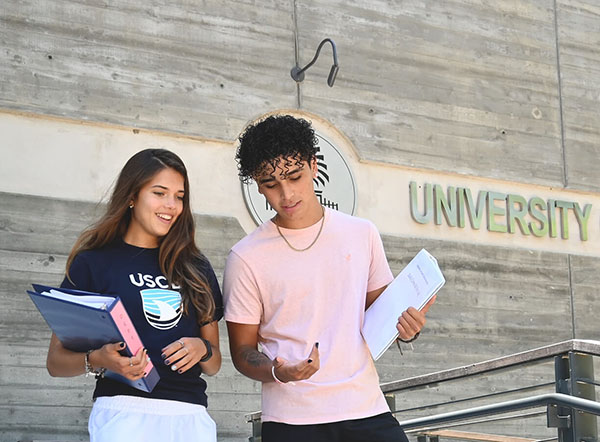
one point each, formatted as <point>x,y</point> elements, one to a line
<point>276,137</point>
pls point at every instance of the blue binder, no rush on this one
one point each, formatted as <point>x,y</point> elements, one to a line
<point>81,328</point>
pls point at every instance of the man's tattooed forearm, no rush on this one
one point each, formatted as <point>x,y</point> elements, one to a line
<point>255,358</point>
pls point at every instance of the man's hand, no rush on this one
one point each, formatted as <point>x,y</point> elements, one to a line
<point>412,321</point>
<point>287,372</point>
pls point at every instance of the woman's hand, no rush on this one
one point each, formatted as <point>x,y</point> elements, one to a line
<point>184,353</point>
<point>108,356</point>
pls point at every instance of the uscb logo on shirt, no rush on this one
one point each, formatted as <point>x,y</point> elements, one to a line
<point>162,307</point>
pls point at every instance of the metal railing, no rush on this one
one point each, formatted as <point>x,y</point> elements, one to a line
<point>571,409</point>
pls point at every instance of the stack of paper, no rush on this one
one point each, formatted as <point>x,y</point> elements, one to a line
<point>413,287</point>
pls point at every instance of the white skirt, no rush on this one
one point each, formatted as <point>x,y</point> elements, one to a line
<point>132,419</point>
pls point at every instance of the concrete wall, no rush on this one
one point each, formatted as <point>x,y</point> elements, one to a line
<point>502,95</point>
<point>454,86</point>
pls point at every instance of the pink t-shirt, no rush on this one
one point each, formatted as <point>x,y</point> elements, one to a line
<point>317,295</point>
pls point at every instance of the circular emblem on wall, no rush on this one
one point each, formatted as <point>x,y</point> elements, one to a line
<point>334,185</point>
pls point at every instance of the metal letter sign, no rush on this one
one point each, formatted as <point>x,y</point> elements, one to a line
<point>334,185</point>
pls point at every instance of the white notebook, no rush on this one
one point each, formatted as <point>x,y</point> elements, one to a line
<point>413,287</point>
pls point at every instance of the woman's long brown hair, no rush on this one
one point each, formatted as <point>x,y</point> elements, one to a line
<point>178,255</point>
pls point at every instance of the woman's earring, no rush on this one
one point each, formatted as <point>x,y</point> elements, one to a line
<point>131,206</point>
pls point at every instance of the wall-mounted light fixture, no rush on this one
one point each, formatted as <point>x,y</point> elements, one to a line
<point>298,74</point>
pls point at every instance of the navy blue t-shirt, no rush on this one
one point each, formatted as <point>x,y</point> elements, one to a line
<point>133,274</point>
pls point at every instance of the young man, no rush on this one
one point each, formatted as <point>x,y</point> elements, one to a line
<point>298,286</point>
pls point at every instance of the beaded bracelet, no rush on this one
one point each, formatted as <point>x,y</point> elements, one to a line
<point>88,367</point>
<point>414,338</point>
<point>399,340</point>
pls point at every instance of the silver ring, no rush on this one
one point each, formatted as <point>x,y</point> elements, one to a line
<point>130,362</point>
<point>181,342</point>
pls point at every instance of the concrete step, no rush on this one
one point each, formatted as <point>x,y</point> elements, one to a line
<point>465,435</point>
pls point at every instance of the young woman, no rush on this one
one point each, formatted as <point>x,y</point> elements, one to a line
<point>143,250</point>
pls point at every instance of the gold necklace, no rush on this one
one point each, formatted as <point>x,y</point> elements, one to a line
<point>314,240</point>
